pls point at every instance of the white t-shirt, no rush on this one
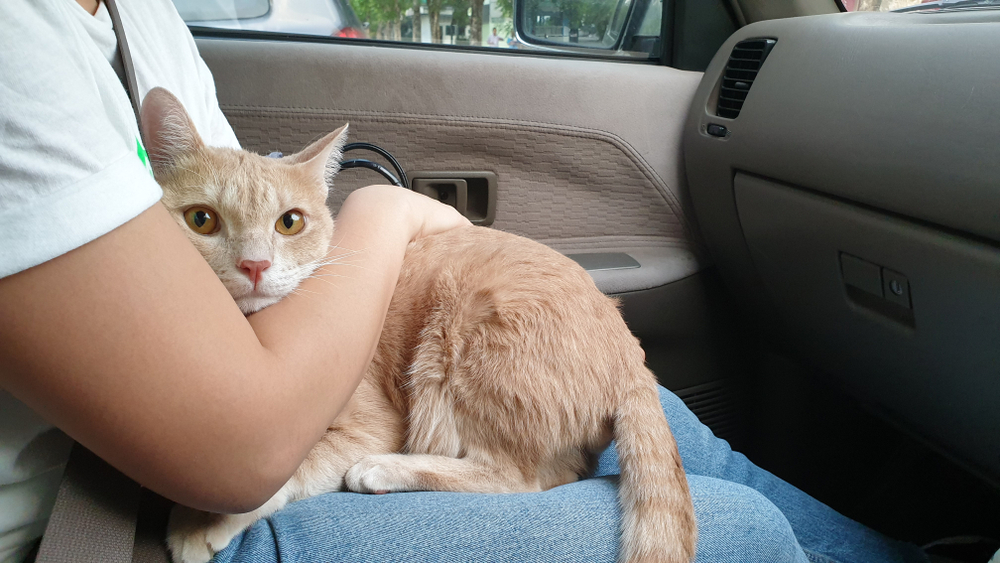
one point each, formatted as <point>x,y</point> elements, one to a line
<point>71,170</point>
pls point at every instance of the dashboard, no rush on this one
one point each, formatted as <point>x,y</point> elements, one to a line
<point>845,173</point>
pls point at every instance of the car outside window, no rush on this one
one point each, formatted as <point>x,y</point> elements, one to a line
<point>331,18</point>
<point>878,5</point>
<point>627,28</point>
<point>211,10</point>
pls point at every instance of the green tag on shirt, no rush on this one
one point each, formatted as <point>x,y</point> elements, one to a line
<point>143,157</point>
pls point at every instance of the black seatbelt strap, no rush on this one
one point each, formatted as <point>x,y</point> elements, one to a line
<point>125,58</point>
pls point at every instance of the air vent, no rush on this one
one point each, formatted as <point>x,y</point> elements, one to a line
<point>741,70</point>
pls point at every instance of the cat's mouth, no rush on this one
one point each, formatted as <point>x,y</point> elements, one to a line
<point>252,299</point>
<point>255,300</point>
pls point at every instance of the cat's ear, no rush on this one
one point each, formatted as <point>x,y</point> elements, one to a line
<point>166,128</point>
<point>322,158</point>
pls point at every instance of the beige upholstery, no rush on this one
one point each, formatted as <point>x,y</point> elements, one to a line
<point>587,154</point>
<point>94,518</point>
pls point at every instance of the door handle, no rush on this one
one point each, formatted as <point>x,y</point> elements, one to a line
<point>473,194</point>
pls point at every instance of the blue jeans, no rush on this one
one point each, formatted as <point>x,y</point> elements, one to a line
<point>745,515</point>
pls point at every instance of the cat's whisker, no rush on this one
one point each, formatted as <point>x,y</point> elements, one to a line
<point>334,245</point>
<point>346,264</point>
<point>328,282</point>
<point>336,263</point>
<point>329,276</point>
<point>302,292</point>
<point>333,259</point>
<point>332,263</point>
<point>328,263</point>
<point>325,262</point>
<point>349,250</point>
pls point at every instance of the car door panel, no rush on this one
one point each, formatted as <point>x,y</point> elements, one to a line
<point>586,153</point>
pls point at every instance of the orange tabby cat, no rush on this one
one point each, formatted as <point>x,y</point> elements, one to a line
<point>500,368</point>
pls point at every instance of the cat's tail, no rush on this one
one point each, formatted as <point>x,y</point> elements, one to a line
<point>658,523</point>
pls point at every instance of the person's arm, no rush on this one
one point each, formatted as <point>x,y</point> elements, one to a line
<point>132,346</point>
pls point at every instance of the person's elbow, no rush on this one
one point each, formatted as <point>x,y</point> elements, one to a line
<point>237,478</point>
<point>241,491</point>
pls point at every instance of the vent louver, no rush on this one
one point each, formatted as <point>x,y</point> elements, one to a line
<point>741,70</point>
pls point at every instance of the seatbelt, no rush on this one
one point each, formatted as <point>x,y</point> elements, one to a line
<point>96,509</point>
<point>125,58</point>
<point>95,514</point>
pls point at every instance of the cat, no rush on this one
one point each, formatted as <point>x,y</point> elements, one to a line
<point>500,368</point>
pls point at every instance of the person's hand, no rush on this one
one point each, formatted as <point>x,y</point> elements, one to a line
<point>422,215</point>
<point>433,216</point>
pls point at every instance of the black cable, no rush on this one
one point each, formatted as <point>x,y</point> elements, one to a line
<point>364,163</point>
<point>385,154</point>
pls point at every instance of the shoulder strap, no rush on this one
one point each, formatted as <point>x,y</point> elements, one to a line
<point>96,509</point>
<point>95,514</point>
<point>125,57</point>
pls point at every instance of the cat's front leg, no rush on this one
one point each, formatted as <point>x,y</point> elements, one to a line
<point>400,472</point>
<point>379,474</point>
<point>194,536</point>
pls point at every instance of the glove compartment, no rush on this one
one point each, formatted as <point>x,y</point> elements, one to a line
<point>932,360</point>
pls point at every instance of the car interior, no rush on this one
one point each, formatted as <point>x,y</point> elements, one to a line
<point>799,209</point>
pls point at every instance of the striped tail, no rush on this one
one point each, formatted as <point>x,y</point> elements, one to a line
<point>658,523</point>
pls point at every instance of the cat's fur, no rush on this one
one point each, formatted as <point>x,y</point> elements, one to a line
<point>500,368</point>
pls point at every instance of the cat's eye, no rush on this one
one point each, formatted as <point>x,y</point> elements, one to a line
<point>290,223</point>
<point>202,220</point>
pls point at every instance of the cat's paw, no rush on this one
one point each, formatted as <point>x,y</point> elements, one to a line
<point>186,535</point>
<point>380,474</point>
<point>195,537</point>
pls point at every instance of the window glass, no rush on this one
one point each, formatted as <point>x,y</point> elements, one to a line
<point>310,17</point>
<point>487,23</point>
<point>650,25</point>
<point>208,10</point>
<point>625,27</point>
<point>582,23</point>
<point>618,27</point>
<point>484,23</point>
<point>878,5</point>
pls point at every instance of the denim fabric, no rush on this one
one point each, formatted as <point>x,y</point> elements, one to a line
<point>745,515</point>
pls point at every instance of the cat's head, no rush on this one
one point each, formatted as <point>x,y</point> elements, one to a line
<point>261,223</point>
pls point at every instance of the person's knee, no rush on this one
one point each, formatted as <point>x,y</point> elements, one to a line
<point>738,524</point>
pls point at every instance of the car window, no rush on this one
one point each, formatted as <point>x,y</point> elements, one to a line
<point>209,10</point>
<point>330,18</point>
<point>878,5</point>
<point>627,28</point>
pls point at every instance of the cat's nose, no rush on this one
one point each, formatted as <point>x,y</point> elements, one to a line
<point>254,269</point>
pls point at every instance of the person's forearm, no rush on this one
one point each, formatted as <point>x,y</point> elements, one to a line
<point>344,302</point>
<point>343,307</point>
<point>132,345</point>
<point>314,347</point>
